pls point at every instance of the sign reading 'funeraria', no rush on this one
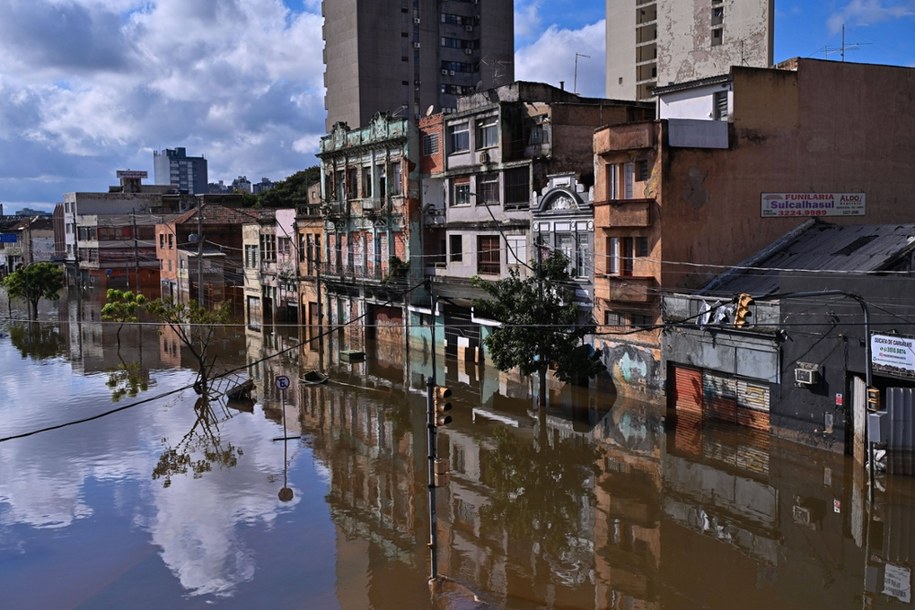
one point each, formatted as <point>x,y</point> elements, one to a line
<point>893,355</point>
<point>779,205</point>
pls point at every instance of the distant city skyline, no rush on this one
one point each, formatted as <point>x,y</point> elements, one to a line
<point>94,86</point>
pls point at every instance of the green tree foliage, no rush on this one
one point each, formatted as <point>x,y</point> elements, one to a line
<point>294,189</point>
<point>122,306</point>
<point>33,283</point>
<point>195,326</point>
<point>541,324</point>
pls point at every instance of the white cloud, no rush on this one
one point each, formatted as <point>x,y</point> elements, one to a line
<point>870,12</point>
<point>98,84</point>
<point>551,59</point>
<point>528,20</point>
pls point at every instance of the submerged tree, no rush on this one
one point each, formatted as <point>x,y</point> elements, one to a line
<point>33,283</point>
<point>122,306</point>
<point>197,450</point>
<point>541,323</point>
<point>195,326</point>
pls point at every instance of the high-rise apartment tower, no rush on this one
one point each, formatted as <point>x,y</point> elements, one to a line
<point>174,167</point>
<point>405,56</point>
<point>653,43</point>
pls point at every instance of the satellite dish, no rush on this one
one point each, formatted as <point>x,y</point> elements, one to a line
<point>430,110</point>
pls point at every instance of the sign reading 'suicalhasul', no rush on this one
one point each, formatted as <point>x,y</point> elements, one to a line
<point>893,355</point>
<point>780,205</point>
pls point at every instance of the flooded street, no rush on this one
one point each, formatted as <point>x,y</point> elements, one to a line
<point>594,503</point>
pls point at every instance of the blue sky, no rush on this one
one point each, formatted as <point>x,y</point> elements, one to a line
<point>88,87</point>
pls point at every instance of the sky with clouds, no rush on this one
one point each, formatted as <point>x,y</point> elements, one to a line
<point>88,87</point>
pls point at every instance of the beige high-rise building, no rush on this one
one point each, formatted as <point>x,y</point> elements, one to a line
<point>654,43</point>
<point>404,56</point>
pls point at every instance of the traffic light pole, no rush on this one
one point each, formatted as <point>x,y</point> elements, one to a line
<point>430,426</point>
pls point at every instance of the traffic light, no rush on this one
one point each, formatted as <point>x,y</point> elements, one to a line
<point>743,309</point>
<point>873,399</point>
<point>442,406</point>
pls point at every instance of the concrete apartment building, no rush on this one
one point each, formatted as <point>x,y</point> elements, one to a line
<point>653,43</point>
<point>681,198</point>
<point>96,231</point>
<point>403,57</point>
<point>187,174</point>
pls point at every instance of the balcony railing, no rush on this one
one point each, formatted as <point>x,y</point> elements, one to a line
<point>625,288</point>
<point>624,213</point>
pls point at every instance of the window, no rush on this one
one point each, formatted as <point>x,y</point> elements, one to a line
<point>161,240</point>
<point>170,241</point>
<point>352,182</point>
<point>489,189</point>
<point>460,193</point>
<point>268,248</point>
<point>622,252</point>
<point>614,318</point>
<point>366,181</point>
<point>628,180</point>
<point>455,248</point>
<point>396,187</point>
<point>488,132</point>
<point>641,170</point>
<point>717,36</point>
<point>285,246</point>
<point>612,177</point>
<point>430,144</point>
<point>488,259</point>
<point>251,257</point>
<point>516,246</point>
<point>720,105</point>
<point>517,187</point>
<point>459,137</point>
<point>717,15</point>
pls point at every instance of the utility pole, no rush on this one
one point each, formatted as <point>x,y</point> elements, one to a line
<point>199,254</point>
<point>541,369</point>
<point>430,425</point>
<point>136,255</point>
<point>317,255</point>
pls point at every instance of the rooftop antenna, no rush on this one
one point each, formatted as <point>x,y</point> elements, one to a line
<point>844,47</point>
<point>575,80</point>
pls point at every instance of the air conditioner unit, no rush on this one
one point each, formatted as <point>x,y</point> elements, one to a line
<point>415,45</point>
<point>445,72</point>
<point>467,51</point>
<point>416,20</point>
<point>451,72</point>
<point>484,156</point>
<point>469,28</point>
<point>807,373</point>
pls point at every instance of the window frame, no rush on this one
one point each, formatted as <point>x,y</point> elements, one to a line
<point>489,255</point>
<point>459,137</point>
<point>487,132</point>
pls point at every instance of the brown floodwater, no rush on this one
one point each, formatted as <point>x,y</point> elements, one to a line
<point>316,496</point>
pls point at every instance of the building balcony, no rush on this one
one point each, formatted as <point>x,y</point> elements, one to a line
<point>625,288</point>
<point>632,136</point>
<point>626,213</point>
<point>308,211</point>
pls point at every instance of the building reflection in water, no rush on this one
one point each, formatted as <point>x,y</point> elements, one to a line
<point>580,507</point>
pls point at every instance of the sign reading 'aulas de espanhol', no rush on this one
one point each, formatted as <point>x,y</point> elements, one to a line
<point>779,205</point>
<point>893,355</point>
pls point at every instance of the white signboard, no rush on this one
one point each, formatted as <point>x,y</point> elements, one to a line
<point>780,205</point>
<point>893,355</point>
<point>897,582</point>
